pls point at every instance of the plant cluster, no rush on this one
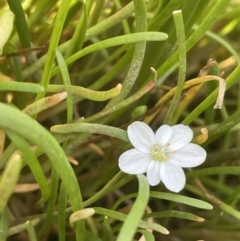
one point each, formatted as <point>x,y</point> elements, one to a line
<point>102,105</point>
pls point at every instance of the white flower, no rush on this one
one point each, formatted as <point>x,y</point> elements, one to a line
<point>161,155</point>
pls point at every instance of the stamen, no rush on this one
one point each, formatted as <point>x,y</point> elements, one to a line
<point>158,154</point>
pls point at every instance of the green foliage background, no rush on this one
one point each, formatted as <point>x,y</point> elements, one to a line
<point>74,75</point>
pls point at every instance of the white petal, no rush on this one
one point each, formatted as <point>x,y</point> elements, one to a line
<point>191,155</point>
<point>181,136</point>
<point>163,135</point>
<point>172,176</point>
<point>141,136</point>
<point>134,162</point>
<point>153,173</point>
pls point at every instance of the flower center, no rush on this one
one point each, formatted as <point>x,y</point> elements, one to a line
<point>158,154</point>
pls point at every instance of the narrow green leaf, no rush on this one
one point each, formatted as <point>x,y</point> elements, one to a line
<point>123,103</point>
<point>221,128</point>
<point>91,32</point>
<point>56,33</point>
<point>215,170</point>
<point>31,231</point>
<point>79,34</point>
<point>147,235</point>
<point>9,178</point>
<point>21,23</point>
<point>111,42</point>
<point>91,128</point>
<point>30,158</point>
<point>171,197</point>
<point>62,213</point>
<point>22,124</point>
<point>51,203</point>
<point>45,103</point>
<point>163,14</point>
<point>122,217</point>
<point>21,87</point>
<point>131,222</point>
<point>182,199</point>
<point>87,93</point>
<point>109,231</point>
<point>205,25</point>
<point>20,227</point>
<point>92,237</point>
<point>4,224</point>
<point>174,214</point>
<point>230,210</point>
<point>6,27</point>
<point>125,24</point>
<point>225,43</point>
<point>138,54</point>
<point>107,188</point>
<point>67,85</point>
<point>179,26</point>
<point>232,78</point>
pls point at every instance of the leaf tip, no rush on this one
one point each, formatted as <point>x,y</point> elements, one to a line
<point>119,87</point>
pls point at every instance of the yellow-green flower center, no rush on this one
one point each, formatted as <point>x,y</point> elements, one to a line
<point>158,154</point>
